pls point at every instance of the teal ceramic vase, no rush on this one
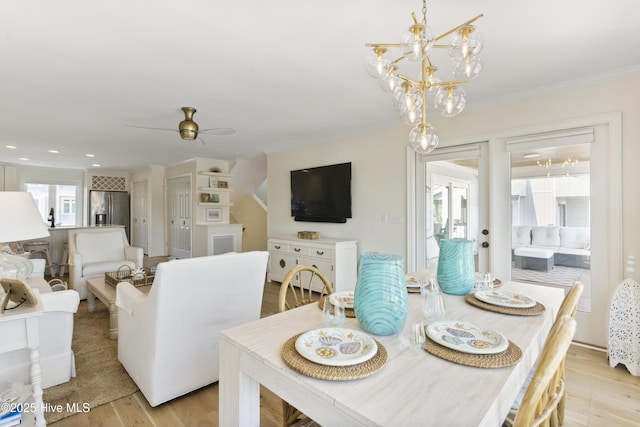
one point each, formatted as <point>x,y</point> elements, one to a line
<point>380,300</point>
<point>456,267</point>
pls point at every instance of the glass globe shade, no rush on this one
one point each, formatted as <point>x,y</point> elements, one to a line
<point>378,59</point>
<point>432,79</point>
<point>410,116</point>
<point>450,101</point>
<point>406,96</point>
<point>417,42</point>
<point>423,138</point>
<point>390,80</point>
<point>468,69</point>
<point>467,43</point>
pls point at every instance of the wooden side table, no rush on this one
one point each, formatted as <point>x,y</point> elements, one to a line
<point>98,288</point>
<point>19,329</point>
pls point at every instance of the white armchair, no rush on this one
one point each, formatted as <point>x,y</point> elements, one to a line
<point>95,251</point>
<point>57,361</point>
<point>168,339</point>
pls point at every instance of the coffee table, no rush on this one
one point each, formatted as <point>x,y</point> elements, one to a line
<point>98,288</point>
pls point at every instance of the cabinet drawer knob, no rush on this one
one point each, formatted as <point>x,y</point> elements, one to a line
<point>320,252</point>
<point>296,249</point>
<point>277,246</point>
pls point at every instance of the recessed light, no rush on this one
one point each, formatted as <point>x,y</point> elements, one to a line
<point>90,155</point>
<point>96,165</point>
<point>22,158</point>
<point>54,151</point>
<point>11,146</point>
<point>531,155</point>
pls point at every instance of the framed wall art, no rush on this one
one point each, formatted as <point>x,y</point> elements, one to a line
<point>214,215</point>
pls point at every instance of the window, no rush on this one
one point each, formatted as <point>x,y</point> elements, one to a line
<point>62,198</point>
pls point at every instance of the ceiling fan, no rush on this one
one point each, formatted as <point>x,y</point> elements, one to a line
<point>189,129</point>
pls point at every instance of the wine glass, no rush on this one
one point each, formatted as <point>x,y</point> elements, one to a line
<point>433,308</point>
<point>413,338</point>
<point>333,312</point>
<point>488,281</point>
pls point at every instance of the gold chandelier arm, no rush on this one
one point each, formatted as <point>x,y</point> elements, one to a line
<point>383,45</point>
<point>450,83</point>
<point>424,89</point>
<point>470,21</point>
<point>409,80</point>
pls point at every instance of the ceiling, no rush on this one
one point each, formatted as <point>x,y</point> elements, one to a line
<point>282,73</point>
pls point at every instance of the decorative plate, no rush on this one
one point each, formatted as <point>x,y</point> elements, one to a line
<point>411,282</point>
<point>467,337</point>
<point>505,299</point>
<point>336,346</point>
<point>344,299</point>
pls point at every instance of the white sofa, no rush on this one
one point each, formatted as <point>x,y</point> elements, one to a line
<point>57,360</point>
<point>95,251</point>
<point>168,339</point>
<point>571,246</point>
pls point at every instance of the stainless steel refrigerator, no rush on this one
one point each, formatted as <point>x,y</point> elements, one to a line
<point>109,208</point>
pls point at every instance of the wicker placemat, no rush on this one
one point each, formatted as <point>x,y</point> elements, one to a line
<point>348,311</point>
<point>530,311</point>
<point>509,357</point>
<point>333,373</point>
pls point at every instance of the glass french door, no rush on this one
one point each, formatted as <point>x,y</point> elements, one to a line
<point>452,202</point>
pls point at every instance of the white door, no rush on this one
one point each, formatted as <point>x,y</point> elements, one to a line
<point>179,217</point>
<point>452,198</point>
<point>571,185</point>
<point>605,206</point>
<point>140,215</point>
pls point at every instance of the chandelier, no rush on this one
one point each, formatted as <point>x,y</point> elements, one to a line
<point>410,95</point>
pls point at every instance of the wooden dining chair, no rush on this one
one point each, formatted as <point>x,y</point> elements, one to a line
<point>546,388</point>
<point>300,287</point>
<point>297,289</point>
<point>568,308</point>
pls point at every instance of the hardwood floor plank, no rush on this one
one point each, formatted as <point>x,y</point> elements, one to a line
<point>130,412</point>
<point>597,396</point>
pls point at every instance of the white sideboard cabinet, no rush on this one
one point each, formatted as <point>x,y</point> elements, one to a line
<point>337,259</point>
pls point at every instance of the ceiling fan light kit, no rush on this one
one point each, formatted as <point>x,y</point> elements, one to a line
<point>188,128</point>
<point>409,95</point>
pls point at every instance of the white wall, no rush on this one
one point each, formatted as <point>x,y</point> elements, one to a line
<point>378,168</point>
<point>379,164</point>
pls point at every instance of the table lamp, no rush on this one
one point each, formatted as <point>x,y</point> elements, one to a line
<point>19,220</point>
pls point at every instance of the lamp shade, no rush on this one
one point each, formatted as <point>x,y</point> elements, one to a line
<point>20,218</point>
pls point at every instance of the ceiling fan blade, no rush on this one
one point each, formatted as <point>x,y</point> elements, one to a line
<point>146,127</point>
<point>218,131</point>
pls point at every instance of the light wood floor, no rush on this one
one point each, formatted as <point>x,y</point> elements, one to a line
<point>598,396</point>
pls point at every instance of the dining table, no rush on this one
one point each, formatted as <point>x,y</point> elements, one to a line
<point>414,387</point>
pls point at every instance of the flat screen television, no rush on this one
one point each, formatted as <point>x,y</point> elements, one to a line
<point>321,194</point>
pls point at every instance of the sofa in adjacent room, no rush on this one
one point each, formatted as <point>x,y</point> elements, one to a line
<point>571,246</point>
<point>57,360</point>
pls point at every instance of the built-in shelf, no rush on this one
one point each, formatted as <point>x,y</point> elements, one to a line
<point>218,174</point>
<point>214,189</point>
<point>212,204</point>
